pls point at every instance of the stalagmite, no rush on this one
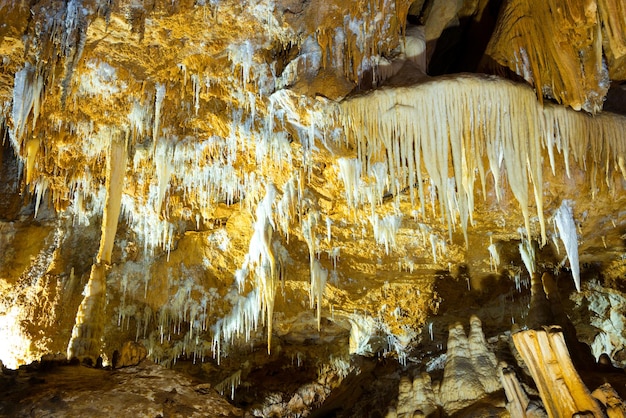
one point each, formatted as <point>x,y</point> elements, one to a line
<point>562,391</point>
<point>615,406</point>
<point>518,405</point>
<point>88,329</point>
<point>415,398</point>
<point>470,371</point>
<point>460,386</point>
<point>483,359</point>
<point>539,312</point>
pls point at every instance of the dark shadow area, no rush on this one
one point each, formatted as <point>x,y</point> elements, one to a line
<point>616,98</point>
<point>460,48</point>
<point>280,376</point>
<point>10,199</point>
<point>367,394</point>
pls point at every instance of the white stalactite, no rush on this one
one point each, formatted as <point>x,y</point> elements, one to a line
<point>319,275</point>
<point>116,170</point>
<point>463,123</point>
<point>158,106</point>
<point>27,91</point>
<point>564,219</point>
<point>260,263</point>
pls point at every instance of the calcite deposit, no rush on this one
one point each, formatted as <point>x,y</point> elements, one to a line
<point>300,205</point>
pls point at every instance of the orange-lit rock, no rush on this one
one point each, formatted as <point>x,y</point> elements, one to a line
<point>281,199</point>
<point>556,47</point>
<point>562,391</point>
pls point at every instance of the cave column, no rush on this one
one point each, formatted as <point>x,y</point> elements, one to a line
<point>88,330</point>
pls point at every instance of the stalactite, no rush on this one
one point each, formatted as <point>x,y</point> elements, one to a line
<point>564,220</point>
<point>258,305</point>
<point>27,91</point>
<point>116,170</point>
<point>557,47</point>
<point>432,140</point>
<point>32,149</point>
<point>350,171</point>
<point>158,107</point>
<point>89,325</point>
<point>527,252</point>
<point>464,121</point>
<point>230,383</point>
<point>319,275</point>
<point>163,159</point>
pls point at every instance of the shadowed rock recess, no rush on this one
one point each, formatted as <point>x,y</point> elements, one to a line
<point>321,208</point>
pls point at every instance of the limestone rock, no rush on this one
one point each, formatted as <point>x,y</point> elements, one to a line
<point>131,354</point>
<point>519,405</point>
<point>615,407</point>
<point>156,128</point>
<point>551,44</point>
<point>147,390</point>
<point>562,391</point>
<point>613,15</point>
<point>605,328</point>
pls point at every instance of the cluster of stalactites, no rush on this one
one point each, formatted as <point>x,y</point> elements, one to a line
<point>453,128</point>
<point>557,47</point>
<point>366,34</point>
<point>262,268</point>
<point>260,264</point>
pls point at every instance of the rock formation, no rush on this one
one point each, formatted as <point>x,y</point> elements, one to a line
<point>562,391</point>
<point>519,404</point>
<point>313,181</point>
<point>470,374</point>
